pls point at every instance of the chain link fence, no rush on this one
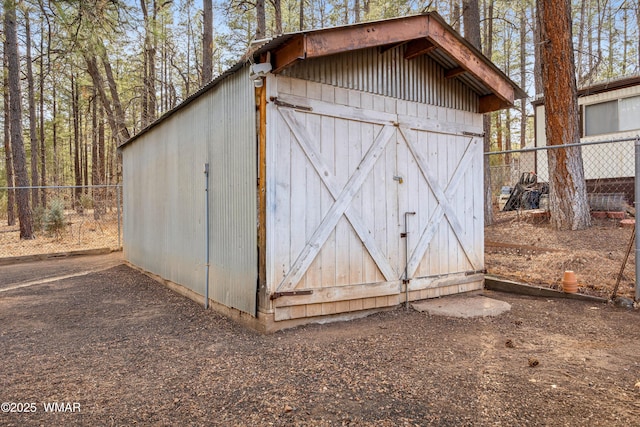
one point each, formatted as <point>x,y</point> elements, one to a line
<point>65,219</point>
<point>522,245</point>
<point>609,170</point>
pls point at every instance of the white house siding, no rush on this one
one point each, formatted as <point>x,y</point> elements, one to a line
<point>600,161</point>
<point>335,212</point>
<point>164,195</point>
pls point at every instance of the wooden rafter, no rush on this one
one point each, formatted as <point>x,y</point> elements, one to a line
<point>419,47</point>
<point>385,48</point>
<point>454,72</point>
<point>490,103</point>
<point>289,53</point>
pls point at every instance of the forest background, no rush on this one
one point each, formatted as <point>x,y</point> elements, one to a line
<point>94,72</point>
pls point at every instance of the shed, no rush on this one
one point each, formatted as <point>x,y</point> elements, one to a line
<point>332,173</point>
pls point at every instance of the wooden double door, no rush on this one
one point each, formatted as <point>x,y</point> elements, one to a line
<point>365,190</point>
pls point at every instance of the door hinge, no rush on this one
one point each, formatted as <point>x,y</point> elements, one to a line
<point>280,103</point>
<point>277,295</point>
<point>479,135</point>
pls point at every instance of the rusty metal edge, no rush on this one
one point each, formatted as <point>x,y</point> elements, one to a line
<point>494,283</point>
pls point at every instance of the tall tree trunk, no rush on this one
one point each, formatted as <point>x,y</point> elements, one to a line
<point>499,134</point>
<point>586,75</point>
<point>98,83</point>
<point>54,132</point>
<point>95,157</point>
<point>537,54</point>
<point>43,152</point>
<point>346,11</point>
<point>455,14</point>
<point>102,178</point>
<point>260,20</point>
<point>163,76</point>
<point>33,135</point>
<point>144,116</point>
<point>507,112</point>
<point>71,117</point>
<point>601,18</point>
<point>188,73</point>
<point>15,107</point>
<point>152,73</point>
<point>207,40</point>
<point>612,33</point>
<point>77,170</point>
<point>11,195</point>
<point>301,15</point>
<point>356,11</point>
<point>507,136</point>
<point>580,68</point>
<point>149,64</point>
<point>277,12</point>
<point>625,20</point>
<point>471,17</point>
<point>123,132</point>
<point>568,192</point>
<point>523,75</point>
<point>85,158</point>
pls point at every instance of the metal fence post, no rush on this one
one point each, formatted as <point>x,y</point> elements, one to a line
<point>636,204</point>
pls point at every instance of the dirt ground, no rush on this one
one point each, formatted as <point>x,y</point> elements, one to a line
<point>131,352</point>
<point>528,250</point>
<point>81,232</point>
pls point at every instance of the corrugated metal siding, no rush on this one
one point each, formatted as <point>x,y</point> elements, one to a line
<point>233,177</point>
<point>389,74</point>
<point>164,195</point>
<point>164,200</point>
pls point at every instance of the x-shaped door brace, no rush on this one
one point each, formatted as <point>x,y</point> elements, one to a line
<point>444,207</point>
<point>341,205</point>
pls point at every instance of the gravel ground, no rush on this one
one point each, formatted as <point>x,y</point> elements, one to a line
<point>128,351</point>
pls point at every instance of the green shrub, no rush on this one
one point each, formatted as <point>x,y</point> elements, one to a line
<point>55,217</point>
<point>86,201</point>
<point>39,218</point>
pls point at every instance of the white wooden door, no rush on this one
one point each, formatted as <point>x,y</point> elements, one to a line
<point>442,174</point>
<point>345,167</point>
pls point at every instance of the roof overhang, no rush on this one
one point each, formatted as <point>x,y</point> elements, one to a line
<point>425,34</point>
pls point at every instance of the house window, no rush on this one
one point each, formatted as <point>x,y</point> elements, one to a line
<point>612,116</point>
<point>601,118</point>
<point>629,112</point>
